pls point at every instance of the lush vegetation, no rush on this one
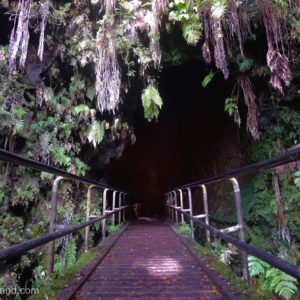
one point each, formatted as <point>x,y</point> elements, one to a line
<point>66,71</point>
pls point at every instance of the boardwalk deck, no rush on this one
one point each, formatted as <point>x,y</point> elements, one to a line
<point>149,262</point>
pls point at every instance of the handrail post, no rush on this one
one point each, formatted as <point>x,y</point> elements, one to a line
<point>205,204</point>
<point>167,207</point>
<point>113,218</point>
<point>104,213</point>
<point>170,208</point>
<point>88,212</point>
<point>181,204</point>
<point>124,211</point>
<point>191,211</point>
<point>175,204</point>
<point>51,247</point>
<point>237,196</point>
<point>175,213</point>
<point>120,204</point>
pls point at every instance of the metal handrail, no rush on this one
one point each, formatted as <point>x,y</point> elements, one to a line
<point>273,260</point>
<point>53,235</point>
<point>33,164</point>
<point>277,262</point>
<point>285,158</point>
<point>21,248</point>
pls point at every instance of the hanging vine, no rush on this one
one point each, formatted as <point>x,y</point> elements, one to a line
<point>108,78</point>
<point>19,38</point>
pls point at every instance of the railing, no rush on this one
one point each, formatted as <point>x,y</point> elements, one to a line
<point>174,208</point>
<point>120,209</point>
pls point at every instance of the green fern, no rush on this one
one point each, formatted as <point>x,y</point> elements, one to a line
<point>81,108</point>
<point>256,266</point>
<point>59,266</point>
<point>59,156</point>
<point>184,229</point>
<point>191,32</point>
<point>152,102</point>
<point>113,228</point>
<point>231,105</point>
<point>297,178</point>
<point>71,253</point>
<point>281,283</point>
<point>272,279</point>
<point>207,79</point>
<point>95,133</point>
<point>246,65</point>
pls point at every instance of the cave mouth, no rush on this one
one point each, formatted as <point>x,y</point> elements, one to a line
<point>192,139</point>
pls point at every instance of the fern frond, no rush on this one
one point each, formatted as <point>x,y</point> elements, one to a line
<point>71,253</point>
<point>256,266</point>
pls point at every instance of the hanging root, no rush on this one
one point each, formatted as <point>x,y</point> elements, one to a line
<point>249,97</point>
<point>158,10</point>
<point>108,78</point>
<point>205,47</point>
<point>45,12</point>
<point>217,12</point>
<point>19,37</point>
<point>277,61</point>
<point>219,50</point>
<point>234,24</point>
<point>109,6</point>
<point>279,66</point>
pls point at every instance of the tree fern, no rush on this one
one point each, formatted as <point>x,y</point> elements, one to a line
<point>71,253</point>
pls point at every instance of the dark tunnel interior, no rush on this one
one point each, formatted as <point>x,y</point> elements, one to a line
<point>193,138</point>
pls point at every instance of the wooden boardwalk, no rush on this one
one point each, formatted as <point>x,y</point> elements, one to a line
<point>149,262</point>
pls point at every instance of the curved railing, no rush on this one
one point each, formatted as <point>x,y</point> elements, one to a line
<point>176,211</point>
<point>109,210</point>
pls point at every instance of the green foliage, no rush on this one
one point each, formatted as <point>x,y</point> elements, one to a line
<point>71,253</point>
<point>152,102</point>
<point>81,108</point>
<point>113,228</point>
<point>297,178</point>
<point>50,287</point>
<point>207,79</point>
<point>256,266</point>
<point>59,156</point>
<point>184,229</point>
<point>281,283</point>
<point>191,26</point>
<point>95,133</point>
<point>81,167</point>
<point>90,93</point>
<point>75,85</point>
<point>191,32</point>
<point>231,105</point>
<point>246,65</point>
<point>272,279</point>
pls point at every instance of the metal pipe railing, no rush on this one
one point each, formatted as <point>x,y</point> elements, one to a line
<point>285,158</point>
<point>53,235</point>
<point>273,260</point>
<point>53,212</point>
<point>30,163</point>
<point>21,248</point>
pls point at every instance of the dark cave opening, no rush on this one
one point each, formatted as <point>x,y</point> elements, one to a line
<point>193,138</point>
